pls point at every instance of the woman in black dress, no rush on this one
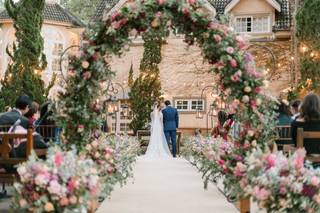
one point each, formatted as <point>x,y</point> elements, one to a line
<point>309,120</point>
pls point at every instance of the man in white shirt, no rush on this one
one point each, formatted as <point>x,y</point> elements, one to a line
<point>295,109</point>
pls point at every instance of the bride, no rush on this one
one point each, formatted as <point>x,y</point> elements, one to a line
<point>158,147</point>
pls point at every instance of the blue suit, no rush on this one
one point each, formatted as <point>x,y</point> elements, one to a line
<point>170,125</point>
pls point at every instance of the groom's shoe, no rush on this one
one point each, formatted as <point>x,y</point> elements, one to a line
<point>174,156</point>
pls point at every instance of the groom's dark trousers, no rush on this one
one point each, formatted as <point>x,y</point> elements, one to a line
<point>171,136</point>
<point>170,124</point>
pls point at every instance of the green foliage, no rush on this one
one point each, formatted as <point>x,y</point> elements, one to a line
<point>83,9</point>
<point>23,75</point>
<point>308,23</point>
<point>308,33</point>
<point>145,90</point>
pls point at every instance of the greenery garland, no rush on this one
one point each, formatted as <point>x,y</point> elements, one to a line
<point>242,85</point>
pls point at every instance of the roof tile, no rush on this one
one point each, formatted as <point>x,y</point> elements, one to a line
<point>53,12</point>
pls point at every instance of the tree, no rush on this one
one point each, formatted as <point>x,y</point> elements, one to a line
<point>145,90</point>
<point>23,75</point>
<point>83,9</point>
<point>308,33</point>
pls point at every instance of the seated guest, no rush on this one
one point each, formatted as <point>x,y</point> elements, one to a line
<point>220,129</point>
<point>309,120</point>
<point>21,108</point>
<point>33,113</point>
<point>294,108</point>
<point>46,120</point>
<point>284,114</point>
<point>284,119</point>
<point>9,118</point>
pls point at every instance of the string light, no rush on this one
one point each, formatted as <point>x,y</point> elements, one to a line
<point>312,54</point>
<point>304,49</point>
<point>279,65</point>
<point>292,58</point>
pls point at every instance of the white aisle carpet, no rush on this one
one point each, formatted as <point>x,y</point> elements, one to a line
<point>170,186</point>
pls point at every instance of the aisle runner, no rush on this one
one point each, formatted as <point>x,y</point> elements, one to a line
<point>171,186</point>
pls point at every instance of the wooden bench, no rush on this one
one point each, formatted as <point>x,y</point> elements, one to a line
<point>146,133</point>
<point>6,159</point>
<point>46,131</point>
<point>301,135</point>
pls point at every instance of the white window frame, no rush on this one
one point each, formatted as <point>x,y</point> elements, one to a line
<point>189,104</point>
<point>252,17</point>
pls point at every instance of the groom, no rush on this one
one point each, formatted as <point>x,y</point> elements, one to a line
<point>170,125</point>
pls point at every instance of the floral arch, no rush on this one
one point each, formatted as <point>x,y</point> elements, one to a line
<point>78,110</point>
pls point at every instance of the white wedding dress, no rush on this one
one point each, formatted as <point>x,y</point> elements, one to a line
<point>158,147</point>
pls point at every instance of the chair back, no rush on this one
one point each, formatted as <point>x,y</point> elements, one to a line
<point>6,147</point>
<point>284,133</point>
<point>301,135</point>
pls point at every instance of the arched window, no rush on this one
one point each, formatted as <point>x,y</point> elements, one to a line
<point>54,44</point>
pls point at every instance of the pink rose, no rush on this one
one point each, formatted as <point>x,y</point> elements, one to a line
<point>315,181</point>
<point>110,170</point>
<point>159,14</point>
<point>299,156</point>
<point>58,159</point>
<point>116,25</point>
<point>217,38</point>
<point>233,63</point>
<point>86,75</point>
<point>54,187</point>
<point>219,65</point>
<point>221,162</point>
<point>258,90</point>
<point>115,16</point>
<point>72,184</point>
<point>235,78</point>
<point>230,50</point>
<point>261,194</point>
<point>283,190</point>
<point>185,11</point>
<point>191,2</point>
<point>64,201</point>
<point>253,104</point>
<point>271,160</point>
<point>240,42</point>
<point>161,2</point>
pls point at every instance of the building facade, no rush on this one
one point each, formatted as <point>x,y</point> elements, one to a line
<point>60,30</point>
<point>184,75</point>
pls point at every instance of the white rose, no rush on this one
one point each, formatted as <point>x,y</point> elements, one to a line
<point>251,133</point>
<point>266,83</point>
<point>245,99</point>
<point>258,101</point>
<point>247,89</point>
<point>85,64</point>
<point>88,147</point>
<point>22,170</point>
<point>94,144</point>
<point>97,155</point>
<point>254,143</point>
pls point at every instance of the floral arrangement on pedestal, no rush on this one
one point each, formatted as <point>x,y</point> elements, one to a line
<point>114,156</point>
<point>62,183</point>
<point>282,184</point>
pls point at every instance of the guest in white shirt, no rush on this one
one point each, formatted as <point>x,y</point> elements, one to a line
<point>295,109</point>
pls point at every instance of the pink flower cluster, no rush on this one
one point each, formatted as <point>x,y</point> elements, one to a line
<point>279,182</point>
<point>66,181</point>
